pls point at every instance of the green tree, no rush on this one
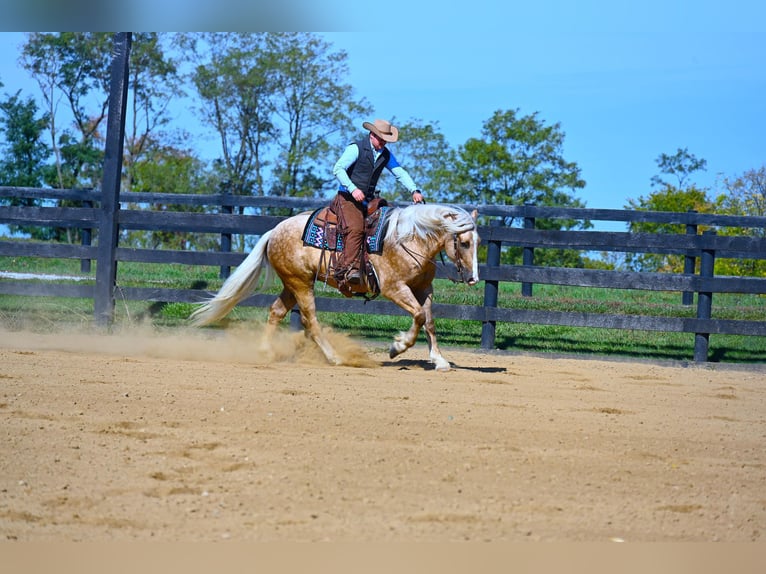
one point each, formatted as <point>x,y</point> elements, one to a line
<point>153,84</point>
<point>24,151</point>
<point>681,165</point>
<point>171,170</point>
<point>518,160</point>
<point>309,104</point>
<point>424,151</point>
<point>24,154</point>
<point>668,198</point>
<point>743,195</point>
<point>73,67</point>
<point>234,86</point>
<point>275,102</point>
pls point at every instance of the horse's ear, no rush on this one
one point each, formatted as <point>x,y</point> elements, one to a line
<point>475,214</point>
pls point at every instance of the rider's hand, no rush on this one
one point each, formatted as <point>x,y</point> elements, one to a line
<point>358,195</point>
<point>417,197</point>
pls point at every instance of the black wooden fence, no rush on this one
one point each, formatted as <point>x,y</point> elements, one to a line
<point>102,212</point>
<point>219,219</point>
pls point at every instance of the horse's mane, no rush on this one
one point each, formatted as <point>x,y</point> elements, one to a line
<point>427,221</point>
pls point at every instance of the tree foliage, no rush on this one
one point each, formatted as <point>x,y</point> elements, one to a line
<point>518,159</point>
<point>274,100</point>
<point>680,165</point>
<point>744,194</point>
<point>668,198</point>
<point>423,150</point>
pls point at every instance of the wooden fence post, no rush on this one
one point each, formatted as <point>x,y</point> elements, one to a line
<point>490,291</point>
<point>106,267</point>
<point>687,297</point>
<point>85,239</point>
<point>226,207</point>
<point>528,254</point>
<point>704,303</point>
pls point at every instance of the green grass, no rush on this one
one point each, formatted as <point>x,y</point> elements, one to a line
<point>42,313</point>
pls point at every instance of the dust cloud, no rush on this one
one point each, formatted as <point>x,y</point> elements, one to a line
<point>230,345</point>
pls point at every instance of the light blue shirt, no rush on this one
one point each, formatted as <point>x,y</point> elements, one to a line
<point>350,155</point>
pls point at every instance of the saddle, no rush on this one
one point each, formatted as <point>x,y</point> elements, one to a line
<point>323,232</point>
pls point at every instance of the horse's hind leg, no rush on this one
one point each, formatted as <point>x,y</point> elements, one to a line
<point>307,306</point>
<point>280,308</point>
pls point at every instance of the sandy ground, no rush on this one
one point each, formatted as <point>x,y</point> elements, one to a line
<point>207,436</point>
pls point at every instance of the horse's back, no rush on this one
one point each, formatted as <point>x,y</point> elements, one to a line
<point>287,254</point>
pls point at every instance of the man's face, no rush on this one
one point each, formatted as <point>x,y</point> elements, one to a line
<point>377,142</point>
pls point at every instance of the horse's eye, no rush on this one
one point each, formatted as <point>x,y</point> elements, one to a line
<point>465,244</point>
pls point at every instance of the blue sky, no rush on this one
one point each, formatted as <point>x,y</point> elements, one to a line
<point>625,81</point>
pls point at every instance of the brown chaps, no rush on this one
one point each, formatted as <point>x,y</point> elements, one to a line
<point>351,225</point>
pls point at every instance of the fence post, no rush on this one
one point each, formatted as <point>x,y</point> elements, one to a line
<point>687,297</point>
<point>106,268</point>
<point>528,254</point>
<point>226,207</point>
<point>704,303</point>
<point>490,291</point>
<point>86,239</point>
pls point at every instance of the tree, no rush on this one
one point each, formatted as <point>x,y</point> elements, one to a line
<point>668,198</point>
<point>682,165</point>
<point>168,169</point>
<point>275,102</point>
<point>24,152</point>
<point>154,82</point>
<point>427,156</point>
<point>743,195</point>
<point>520,160</point>
<point>234,87</point>
<point>75,67</point>
<point>309,106</point>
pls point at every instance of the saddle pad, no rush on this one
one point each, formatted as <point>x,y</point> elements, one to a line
<point>314,233</point>
<point>376,235</point>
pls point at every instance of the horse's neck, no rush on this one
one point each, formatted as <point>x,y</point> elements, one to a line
<point>428,249</point>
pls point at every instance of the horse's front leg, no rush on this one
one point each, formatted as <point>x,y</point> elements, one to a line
<point>420,309</point>
<point>429,327</point>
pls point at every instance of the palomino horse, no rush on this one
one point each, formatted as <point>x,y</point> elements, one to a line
<point>405,270</point>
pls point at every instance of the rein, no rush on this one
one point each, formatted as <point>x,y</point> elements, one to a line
<point>458,262</point>
<point>459,265</point>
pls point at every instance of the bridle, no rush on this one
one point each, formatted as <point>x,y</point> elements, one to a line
<point>459,265</point>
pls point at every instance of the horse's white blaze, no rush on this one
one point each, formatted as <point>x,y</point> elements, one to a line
<point>475,258</point>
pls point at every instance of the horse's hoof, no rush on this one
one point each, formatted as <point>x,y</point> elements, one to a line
<point>395,350</point>
<point>442,365</point>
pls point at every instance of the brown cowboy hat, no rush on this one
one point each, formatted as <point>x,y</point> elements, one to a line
<point>383,129</point>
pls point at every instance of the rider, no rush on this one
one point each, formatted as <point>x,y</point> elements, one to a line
<point>357,170</point>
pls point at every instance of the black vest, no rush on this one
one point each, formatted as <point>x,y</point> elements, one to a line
<point>365,171</point>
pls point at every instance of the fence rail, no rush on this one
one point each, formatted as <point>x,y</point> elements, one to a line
<point>218,219</point>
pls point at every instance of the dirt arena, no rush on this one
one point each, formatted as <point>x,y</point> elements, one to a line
<point>209,435</point>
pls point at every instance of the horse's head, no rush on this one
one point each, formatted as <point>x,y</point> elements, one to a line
<point>461,245</point>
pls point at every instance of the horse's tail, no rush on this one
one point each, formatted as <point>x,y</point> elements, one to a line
<point>237,287</point>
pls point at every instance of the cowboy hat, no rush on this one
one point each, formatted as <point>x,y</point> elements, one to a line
<point>383,129</point>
